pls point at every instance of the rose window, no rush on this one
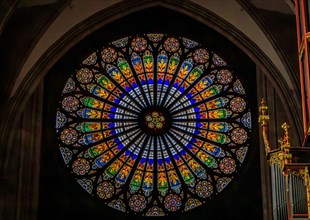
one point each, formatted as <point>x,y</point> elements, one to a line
<point>153,124</point>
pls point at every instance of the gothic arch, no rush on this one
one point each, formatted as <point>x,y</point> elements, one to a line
<point>34,77</point>
<point>108,15</point>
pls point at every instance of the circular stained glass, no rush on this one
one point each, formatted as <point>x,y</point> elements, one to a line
<point>153,124</point>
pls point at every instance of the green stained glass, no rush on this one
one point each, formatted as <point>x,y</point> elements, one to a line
<point>155,125</point>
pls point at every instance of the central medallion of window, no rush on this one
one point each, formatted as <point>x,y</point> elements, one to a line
<point>153,124</point>
<point>155,121</point>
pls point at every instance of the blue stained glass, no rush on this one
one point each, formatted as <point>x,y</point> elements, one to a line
<point>151,118</point>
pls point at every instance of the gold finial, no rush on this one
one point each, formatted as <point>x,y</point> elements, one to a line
<point>285,141</point>
<point>264,117</point>
<point>285,147</point>
<point>286,136</point>
<point>263,120</point>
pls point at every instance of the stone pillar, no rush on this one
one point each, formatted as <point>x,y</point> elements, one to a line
<point>19,188</point>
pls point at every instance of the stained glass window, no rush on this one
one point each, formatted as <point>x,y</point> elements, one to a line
<point>153,124</point>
